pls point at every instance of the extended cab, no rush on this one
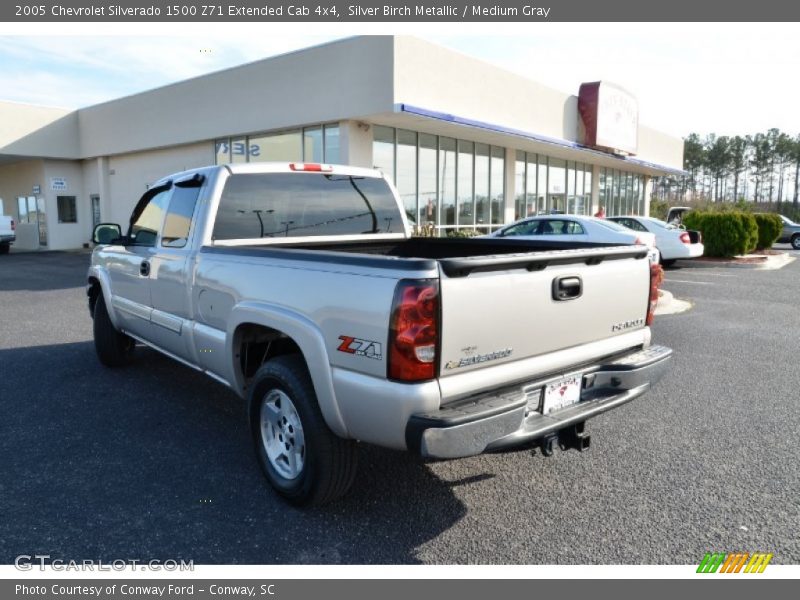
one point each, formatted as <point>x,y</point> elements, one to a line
<point>300,287</point>
<point>8,234</point>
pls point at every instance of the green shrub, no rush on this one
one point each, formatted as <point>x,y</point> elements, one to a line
<point>769,229</point>
<point>462,233</point>
<point>725,234</point>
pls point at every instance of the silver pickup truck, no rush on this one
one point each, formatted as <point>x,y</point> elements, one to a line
<point>300,287</point>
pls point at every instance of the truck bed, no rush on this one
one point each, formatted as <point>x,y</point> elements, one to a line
<point>457,257</point>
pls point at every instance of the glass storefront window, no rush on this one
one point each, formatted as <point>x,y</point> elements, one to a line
<point>556,184</point>
<point>312,145</point>
<point>406,176</point>
<point>331,154</point>
<point>497,186</point>
<point>222,151</point>
<point>239,150</point>
<point>571,188</point>
<point>541,187</point>
<point>383,150</point>
<point>531,189</point>
<point>286,146</point>
<point>428,204</point>
<point>481,184</point>
<point>447,180</point>
<point>519,185</point>
<point>466,200</point>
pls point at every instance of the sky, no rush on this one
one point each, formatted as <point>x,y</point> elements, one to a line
<point>727,79</point>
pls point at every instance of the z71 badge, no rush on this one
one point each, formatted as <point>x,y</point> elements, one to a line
<point>359,347</point>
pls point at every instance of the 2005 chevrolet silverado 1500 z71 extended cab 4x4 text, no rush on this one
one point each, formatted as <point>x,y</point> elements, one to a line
<point>300,288</point>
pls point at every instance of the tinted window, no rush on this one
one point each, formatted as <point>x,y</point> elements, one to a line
<point>179,216</point>
<point>524,228</point>
<point>146,221</point>
<point>304,204</point>
<point>561,227</point>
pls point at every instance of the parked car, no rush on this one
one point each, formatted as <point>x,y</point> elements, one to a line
<point>672,241</point>
<point>790,234</point>
<point>8,234</point>
<point>299,287</point>
<point>574,228</point>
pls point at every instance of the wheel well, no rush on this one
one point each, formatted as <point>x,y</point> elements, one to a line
<point>93,292</point>
<point>254,344</point>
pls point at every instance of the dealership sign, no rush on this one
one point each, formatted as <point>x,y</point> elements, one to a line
<point>58,184</point>
<point>609,116</point>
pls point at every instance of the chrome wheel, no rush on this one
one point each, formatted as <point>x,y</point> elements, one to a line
<point>282,434</point>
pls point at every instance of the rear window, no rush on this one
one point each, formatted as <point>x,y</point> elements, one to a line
<point>269,205</point>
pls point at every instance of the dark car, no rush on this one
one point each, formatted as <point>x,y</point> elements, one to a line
<point>790,233</point>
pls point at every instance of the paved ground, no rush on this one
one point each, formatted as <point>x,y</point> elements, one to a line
<point>154,461</point>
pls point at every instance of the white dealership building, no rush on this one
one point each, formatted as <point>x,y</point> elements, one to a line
<point>468,145</point>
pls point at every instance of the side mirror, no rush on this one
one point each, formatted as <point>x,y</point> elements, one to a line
<point>106,233</point>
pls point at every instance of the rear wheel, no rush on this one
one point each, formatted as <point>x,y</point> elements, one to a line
<point>796,241</point>
<point>5,248</point>
<point>304,461</point>
<point>668,263</point>
<point>113,348</point>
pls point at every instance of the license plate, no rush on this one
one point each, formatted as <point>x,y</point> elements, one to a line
<point>563,393</point>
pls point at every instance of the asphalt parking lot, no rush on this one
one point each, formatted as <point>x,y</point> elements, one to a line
<point>154,461</point>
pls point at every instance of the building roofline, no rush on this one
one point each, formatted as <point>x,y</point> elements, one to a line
<point>561,143</point>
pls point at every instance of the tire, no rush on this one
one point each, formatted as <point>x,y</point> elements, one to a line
<point>5,248</point>
<point>114,349</point>
<point>668,262</point>
<point>317,466</point>
<point>796,241</point>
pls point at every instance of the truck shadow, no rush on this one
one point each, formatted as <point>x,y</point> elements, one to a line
<point>154,461</point>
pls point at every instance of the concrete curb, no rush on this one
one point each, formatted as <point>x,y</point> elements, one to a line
<point>670,305</point>
<point>771,262</point>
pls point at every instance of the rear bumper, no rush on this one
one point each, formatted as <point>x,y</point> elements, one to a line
<point>7,239</point>
<point>513,416</point>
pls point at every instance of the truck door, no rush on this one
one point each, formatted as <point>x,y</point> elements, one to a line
<point>171,271</point>
<point>129,264</point>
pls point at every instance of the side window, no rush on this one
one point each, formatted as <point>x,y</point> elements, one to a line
<point>524,228</point>
<point>147,217</point>
<point>574,228</point>
<point>179,216</point>
<point>561,227</point>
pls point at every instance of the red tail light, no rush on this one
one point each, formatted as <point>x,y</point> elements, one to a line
<point>686,238</point>
<point>314,167</point>
<point>13,225</point>
<point>656,276</point>
<point>414,333</point>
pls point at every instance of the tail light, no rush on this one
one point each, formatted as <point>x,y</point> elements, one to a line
<point>640,241</point>
<point>414,333</point>
<point>13,225</point>
<point>312,167</point>
<point>656,276</point>
<point>686,238</point>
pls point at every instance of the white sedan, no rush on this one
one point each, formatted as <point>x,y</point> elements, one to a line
<point>672,241</point>
<point>572,228</point>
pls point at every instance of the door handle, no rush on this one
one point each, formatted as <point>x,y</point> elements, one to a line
<point>144,268</point>
<point>567,287</point>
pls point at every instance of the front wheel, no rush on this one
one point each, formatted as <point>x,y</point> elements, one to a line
<point>796,241</point>
<point>303,460</point>
<point>668,262</point>
<point>113,348</point>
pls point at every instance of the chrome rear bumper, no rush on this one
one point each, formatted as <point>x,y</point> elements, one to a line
<point>513,416</point>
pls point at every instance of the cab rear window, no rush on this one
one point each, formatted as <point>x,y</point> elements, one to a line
<point>274,205</point>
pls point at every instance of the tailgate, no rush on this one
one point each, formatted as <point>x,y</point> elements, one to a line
<point>504,313</point>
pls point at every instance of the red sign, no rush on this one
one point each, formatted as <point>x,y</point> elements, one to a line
<point>610,117</point>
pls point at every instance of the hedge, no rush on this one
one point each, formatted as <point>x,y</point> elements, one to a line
<point>725,234</point>
<point>769,229</point>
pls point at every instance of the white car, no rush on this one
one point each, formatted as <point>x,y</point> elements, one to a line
<point>573,228</point>
<point>672,241</point>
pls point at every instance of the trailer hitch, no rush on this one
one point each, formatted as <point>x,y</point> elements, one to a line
<point>569,438</point>
<point>574,438</point>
